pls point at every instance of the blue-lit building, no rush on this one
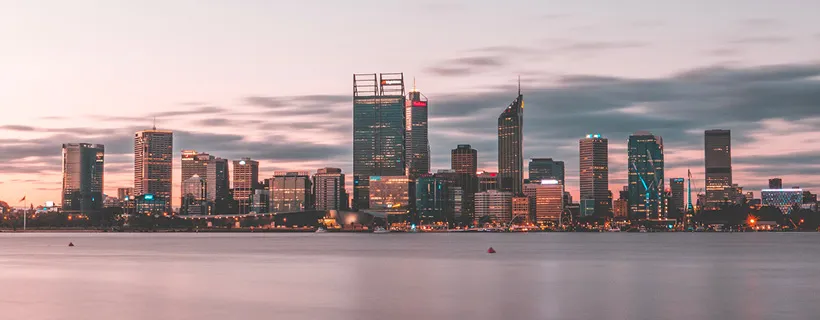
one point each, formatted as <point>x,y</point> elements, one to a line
<point>646,180</point>
<point>432,198</point>
<point>379,121</point>
<point>784,199</point>
<point>151,204</point>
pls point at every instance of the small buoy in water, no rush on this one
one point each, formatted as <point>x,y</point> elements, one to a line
<point>71,244</point>
<point>491,250</point>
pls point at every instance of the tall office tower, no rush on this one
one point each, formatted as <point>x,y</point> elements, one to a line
<point>329,189</point>
<point>594,176</point>
<point>390,195</point>
<point>775,183</point>
<point>83,177</point>
<point>194,200</point>
<point>546,199</point>
<point>677,205</point>
<point>464,161</point>
<point>487,181</point>
<point>379,122</point>
<point>646,181</point>
<point>511,145</point>
<point>433,199</point>
<point>123,193</point>
<point>718,154</point>
<point>219,187</point>
<point>196,164</point>
<point>494,204</point>
<point>153,164</point>
<point>455,194</point>
<point>245,180</point>
<point>291,191</point>
<point>546,169</point>
<point>418,146</point>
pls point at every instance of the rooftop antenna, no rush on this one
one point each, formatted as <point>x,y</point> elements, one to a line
<point>414,84</point>
<point>519,84</point>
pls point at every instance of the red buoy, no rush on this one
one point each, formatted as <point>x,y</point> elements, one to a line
<point>491,250</point>
<point>71,244</point>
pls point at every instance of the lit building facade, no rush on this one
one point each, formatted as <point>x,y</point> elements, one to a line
<point>390,195</point>
<point>497,205</point>
<point>329,189</point>
<point>83,169</point>
<point>153,164</point>
<point>418,145</point>
<point>646,176</point>
<point>620,208</point>
<point>194,200</point>
<point>784,199</point>
<point>521,209</point>
<point>594,173</point>
<point>379,125</point>
<point>546,169</point>
<point>677,205</point>
<point>718,156</point>
<point>546,199</point>
<point>290,191</point>
<point>433,199</point>
<point>510,146</point>
<point>487,181</point>
<point>245,180</point>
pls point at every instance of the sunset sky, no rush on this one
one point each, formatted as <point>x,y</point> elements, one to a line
<point>272,80</point>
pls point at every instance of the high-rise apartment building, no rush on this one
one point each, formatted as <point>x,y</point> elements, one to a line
<point>83,168</point>
<point>379,125</point>
<point>511,145</point>
<point>546,169</point>
<point>594,173</point>
<point>718,156</point>
<point>245,180</point>
<point>291,191</point>
<point>646,176</point>
<point>329,189</point>
<point>418,145</point>
<point>153,164</point>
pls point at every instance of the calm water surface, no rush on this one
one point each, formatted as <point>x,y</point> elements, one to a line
<point>410,276</point>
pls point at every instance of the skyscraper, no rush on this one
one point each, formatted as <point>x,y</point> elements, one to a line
<point>546,199</point>
<point>594,177</point>
<point>194,199</point>
<point>464,161</point>
<point>646,181</point>
<point>245,180</point>
<point>329,186</point>
<point>418,146</point>
<point>775,183</point>
<point>153,164</point>
<point>510,146</point>
<point>218,183</point>
<point>546,169</point>
<point>196,164</point>
<point>718,156</point>
<point>379,122</point>
<point>290,192</point>
<point>676,203</point>
<point>83,167</point>
<point>433,199</point>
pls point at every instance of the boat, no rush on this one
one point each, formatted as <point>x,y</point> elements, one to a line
<point>380,230</point>
<point>642,229</point>
<point>321,230</point>
<point>614,230</point>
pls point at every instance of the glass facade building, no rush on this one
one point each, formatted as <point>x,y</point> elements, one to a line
<point>83,169</point>
<point>546,169</point>
<point>646,179</point>
<point>718,159</point>
<point>510,146</point>
<point>153,164</point>
<point>594,173</point>
<point>784,199</point>
<point>433,199</point>
<point>418,145</point>
<point>290,192</point>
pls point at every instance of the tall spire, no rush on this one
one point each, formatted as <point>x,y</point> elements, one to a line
<point>414,84</point>
<point>519,84</point>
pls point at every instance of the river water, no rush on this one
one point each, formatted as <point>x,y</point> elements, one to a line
<point>410,276</point>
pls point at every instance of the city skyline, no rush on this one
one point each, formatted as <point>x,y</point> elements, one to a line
<point>606,81</point>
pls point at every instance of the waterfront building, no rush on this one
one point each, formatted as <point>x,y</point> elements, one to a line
<point>487,181</point>
<point>546,169</point>
<point>83,169</point>
<point>464,161</point>
<point>646,176</point>
<point>511,145</point>
<point>219,189</point>
<point>153,164</point>
<point>194,199</point>
<point>329,189</point>
<point>521,209</point>
<point>390,195</point>
<point>245,181</point>
<point>594,173</point>
<point>379,125</point>
<point>494,204</point>
<point>290,191</point>
<point>125,193</point>
<point>718,162</point>
<point>546,199</point>
<point>677,204</point>
<point>620,208</point>
<point>784,199</point>
<point>433,198</point>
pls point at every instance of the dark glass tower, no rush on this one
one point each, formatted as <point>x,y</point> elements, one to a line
<point>464,161</point>
<point>510,146</point>
<point>546,168</point>
<point>676,202</point>
<point>646,182</point>
<point>379,121</point>
<point>83,177</point>
<point>594,175</point>
<point>418,146</point>
<point>718,156</point>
